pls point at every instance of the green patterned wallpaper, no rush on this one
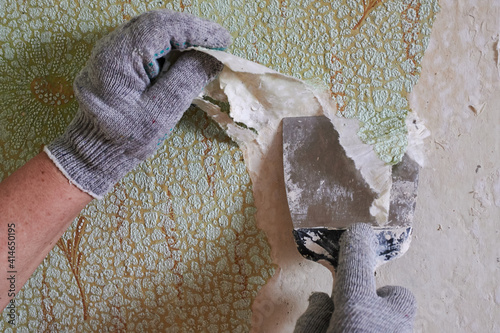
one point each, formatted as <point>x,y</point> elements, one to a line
<point>175,246</point>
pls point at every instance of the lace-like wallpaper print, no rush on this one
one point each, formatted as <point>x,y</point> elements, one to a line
<point>175,246</point>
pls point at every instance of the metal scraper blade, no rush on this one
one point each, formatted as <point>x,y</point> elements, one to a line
<point>326,192</point>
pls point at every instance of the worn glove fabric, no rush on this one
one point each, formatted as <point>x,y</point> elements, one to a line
<point>127,104</point>
<point>356,305</point>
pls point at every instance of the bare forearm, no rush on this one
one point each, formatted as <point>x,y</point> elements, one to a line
<point>38,204</point>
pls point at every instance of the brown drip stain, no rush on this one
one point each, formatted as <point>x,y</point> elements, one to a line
<point>408,38</point>
<point>368,5</point>
<point>70,250</point>
<point>183,6</point>
<point>333,59</point>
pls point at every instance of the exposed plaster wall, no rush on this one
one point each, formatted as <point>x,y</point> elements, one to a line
<point>453,265</point>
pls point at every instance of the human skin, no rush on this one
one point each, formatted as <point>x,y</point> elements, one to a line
<point>37,204</point>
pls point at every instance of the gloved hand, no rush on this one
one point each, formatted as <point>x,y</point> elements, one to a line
<point>356,305</point>
<point>127,106</point>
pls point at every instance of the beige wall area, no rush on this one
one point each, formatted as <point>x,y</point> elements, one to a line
<point>453,264</point>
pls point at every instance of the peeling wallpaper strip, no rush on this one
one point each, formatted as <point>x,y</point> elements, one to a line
<point>260,98</point>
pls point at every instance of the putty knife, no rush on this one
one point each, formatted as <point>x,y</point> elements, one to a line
<point>326,193</point>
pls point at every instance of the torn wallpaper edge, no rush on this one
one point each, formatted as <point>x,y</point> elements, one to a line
<point>260,98</point>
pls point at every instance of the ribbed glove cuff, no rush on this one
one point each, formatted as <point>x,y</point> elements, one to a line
<point>87,158</point>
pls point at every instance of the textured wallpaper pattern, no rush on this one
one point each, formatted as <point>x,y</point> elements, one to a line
<point>175,247</point>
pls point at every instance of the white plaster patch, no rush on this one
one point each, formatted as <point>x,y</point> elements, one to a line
<point>496,189</point>
<point>260,98</point>
<point>497,296</point>
<point>487,190</point>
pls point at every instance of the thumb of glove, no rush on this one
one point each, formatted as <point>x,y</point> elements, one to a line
<point>317,316</point>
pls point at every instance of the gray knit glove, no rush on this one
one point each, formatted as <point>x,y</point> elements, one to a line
<point>359,307</point>
<point>127,105</point>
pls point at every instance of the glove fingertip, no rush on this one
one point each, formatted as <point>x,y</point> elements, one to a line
<point>317,316</point>
<point>321,299</point>
<point>394,291</point>
<point>399,297</point>
<point>212,35</point>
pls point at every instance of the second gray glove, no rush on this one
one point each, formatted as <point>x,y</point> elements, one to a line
<point>357,306</point>
<point>126,106</point>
